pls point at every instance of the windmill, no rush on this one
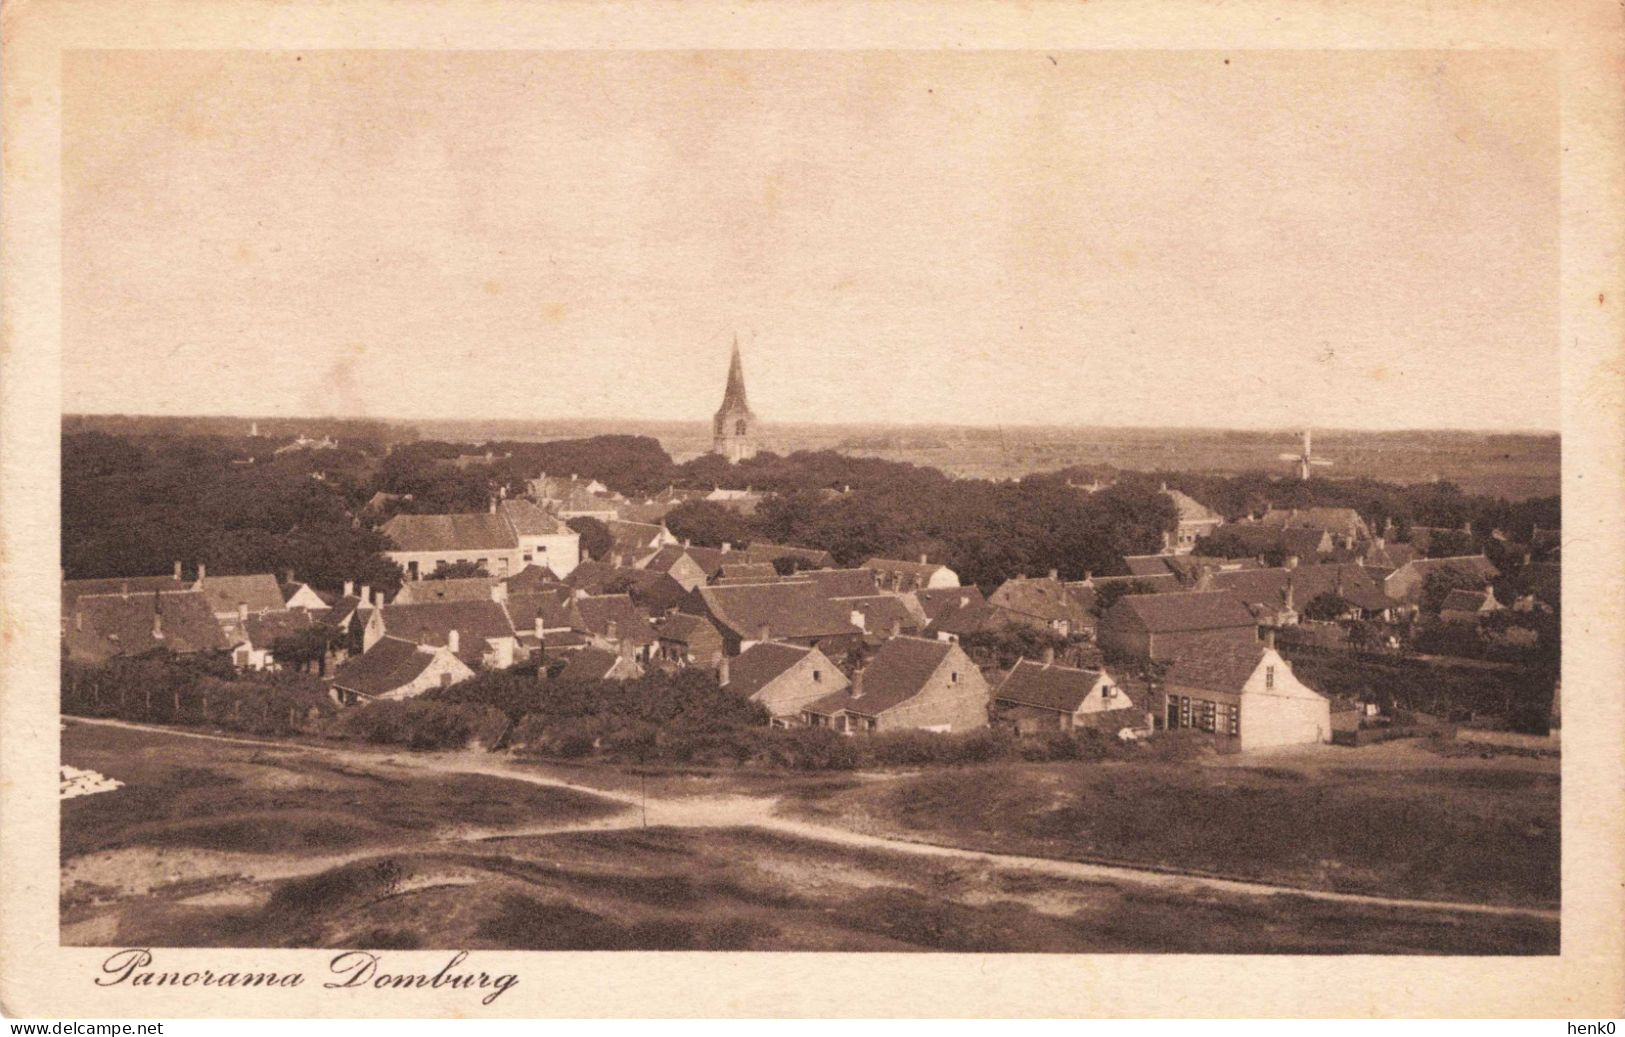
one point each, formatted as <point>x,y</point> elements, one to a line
<point>1305,459</point>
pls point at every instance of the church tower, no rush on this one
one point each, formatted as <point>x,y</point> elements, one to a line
<point>734,428</point>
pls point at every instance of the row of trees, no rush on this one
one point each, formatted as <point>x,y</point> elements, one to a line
<point>132,507</point>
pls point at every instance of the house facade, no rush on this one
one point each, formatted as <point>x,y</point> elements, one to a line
<point>1246,694</point>
<point>911,683</point>
<point>783,678</point>
<point>502,541</point>
<point>394,668</point>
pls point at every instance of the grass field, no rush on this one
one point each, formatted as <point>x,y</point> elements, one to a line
<point>1484,834</point>
<point>212,844</point>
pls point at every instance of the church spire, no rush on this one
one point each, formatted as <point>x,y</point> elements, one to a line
<point>734,428</point>
<point>733,398</point>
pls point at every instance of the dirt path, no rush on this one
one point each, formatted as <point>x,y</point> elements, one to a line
<point>741,811</point>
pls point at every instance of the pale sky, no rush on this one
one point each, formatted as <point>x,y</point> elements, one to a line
<point>1247,239</point>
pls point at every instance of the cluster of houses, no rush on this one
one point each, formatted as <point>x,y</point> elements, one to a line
<point>871,648</point>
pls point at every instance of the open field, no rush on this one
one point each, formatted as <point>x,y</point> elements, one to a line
<point>1393,820</point>
<point>453,850</point>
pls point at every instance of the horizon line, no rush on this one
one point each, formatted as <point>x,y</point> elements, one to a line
<point>410,420</point>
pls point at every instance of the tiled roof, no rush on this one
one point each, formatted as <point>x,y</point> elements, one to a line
<point>651,590</point>
<point>790,610</point>
<point>685,629</point>
<point>921,570</point>
<point>943,600</point>
<point>529,520</point>
<point>754,572</point>
<point>761,664</point>
<point>840,583</point>
<point>1192,510</point>
<point>591,575</point>
<point>1060,688</point>
<point>531,578</point>
<point>896,674</point>
<point>597,612</point>
<point>589,664</point>
<point>98,626</point>
<point>471,588</point>
<point>1042,598</point>
<point>552,606</point>
<point>264,628</point>
<point>974,618</point>
<point>1215,665</point>
<point>72,589</point>
<point>391,663</point>
<point>478,531</point>
<point>475,623</point>
<point>1147,565</point>
<point>1189,610</point>
<point>258,591</point>
<point>1345,521</point>
<point>880,611</point>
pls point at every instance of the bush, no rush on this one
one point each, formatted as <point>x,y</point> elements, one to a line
<point>422,724</point>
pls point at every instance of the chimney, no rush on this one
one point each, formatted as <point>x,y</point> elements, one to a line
<point>349,588</point>
<point>499,592</point>
<point>626,650</point>
<point>1088,576</point>
<point>157,617</point>
<point>124,589</point>
<point>539,626</point>
<point>493,506</point>
<point>612,630</point>
<point>177,571</point>
<point>1291,561</point>
<point>1054,574</point>
<point>453,642</point>
<point>896,627</point>
<point>686,543</point>
<point>726,547</point>
<point>78,619</point>
<point>287,576</point>
<point>366,596</point>
<point>765,632</point>
<point>1164,487</point>
<point>1269,637</point>
<point>857,684</point>
<point>202,571</point>
<point>1291,593</point>
<point>242,611</point>
<point>1049,655</point>
<point>924,558</point>
<point>723,674</point>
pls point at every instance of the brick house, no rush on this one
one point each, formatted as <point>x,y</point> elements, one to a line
<point>1243,693</point>
<point>783,678</point>
<point>1158,627</point>
<point>1040,696</point>
<point>911,683</point>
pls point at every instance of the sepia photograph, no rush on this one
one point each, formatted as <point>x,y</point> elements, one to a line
<point>999,501</point>
<point>843,502</point>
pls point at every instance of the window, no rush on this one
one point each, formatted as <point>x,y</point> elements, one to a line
<point>412,569</point>
<point>739,428</point>
<point>1269,676</point>
<point>953,678</point>
<point>1108,692</point>
<point>818,675</point>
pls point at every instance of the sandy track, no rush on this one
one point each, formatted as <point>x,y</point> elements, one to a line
<point>743,811</point>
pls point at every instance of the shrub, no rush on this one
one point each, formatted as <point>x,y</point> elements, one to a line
<point>423,724</point>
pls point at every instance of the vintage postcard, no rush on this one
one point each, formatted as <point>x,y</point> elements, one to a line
<point>855,509</point>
